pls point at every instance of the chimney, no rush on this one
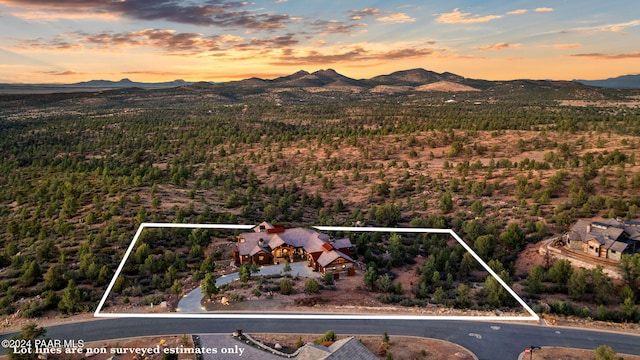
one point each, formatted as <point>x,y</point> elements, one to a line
<point>261,242</point>
<point>588,228</point>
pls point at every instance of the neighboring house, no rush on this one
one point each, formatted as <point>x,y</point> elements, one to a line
<point>346,349</point>
<point>269,244</point>
<point>608,238</point>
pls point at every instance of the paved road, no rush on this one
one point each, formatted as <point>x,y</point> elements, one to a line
<point>488,340</point>
<point>190,303</point>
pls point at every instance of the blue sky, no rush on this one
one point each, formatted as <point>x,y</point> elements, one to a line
<point>64,41</point>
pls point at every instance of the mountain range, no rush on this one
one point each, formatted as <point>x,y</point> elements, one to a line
<point>126,83</point>
<point>330,80</point>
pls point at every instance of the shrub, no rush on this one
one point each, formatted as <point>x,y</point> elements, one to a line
<point>311,286</point>
<point>329,336</point>
<point>154,299</point>
<point>286,287</point>
<point>328,278</point>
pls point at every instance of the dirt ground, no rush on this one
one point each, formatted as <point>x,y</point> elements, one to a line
<point>553,353</point>
<point>529,258</point>
<point>350,297</point>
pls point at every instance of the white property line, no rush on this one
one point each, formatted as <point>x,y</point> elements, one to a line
<point>98,312</point>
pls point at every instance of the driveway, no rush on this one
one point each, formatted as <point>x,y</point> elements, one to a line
<point>190,302</point>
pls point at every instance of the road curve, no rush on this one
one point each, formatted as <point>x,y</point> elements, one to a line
<point>488,340</point>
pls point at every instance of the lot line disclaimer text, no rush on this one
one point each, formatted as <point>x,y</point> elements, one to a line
<point>78,347</point>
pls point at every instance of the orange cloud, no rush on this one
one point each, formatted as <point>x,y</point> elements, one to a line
<point>457,17</point>
<point>601,56</point>
<point>169,42</point>
<point>64,15</point>
<point>621,26</point>
<point>567,46</point>
<point>62,73</point>
<point>543,9</point>
<point>396,18</point>
<point>353,53</point>
<point>498,46</point>
<point>518,12</point>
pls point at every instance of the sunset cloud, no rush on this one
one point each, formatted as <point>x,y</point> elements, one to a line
<point>357,53</point>
<point>457,17</point>
<point>167,41</point>
<point>334,27</point>
<point>543,9</point>
<point>498,46</point>
<point>396,18</point>
<point>620,26</point>
<point>567,46</point>
<point>48,16</point>
<point>359,14</point>
<point>518,12</point>
<point>62,73</point>
<point>601,56</point>
<point>221,13</point>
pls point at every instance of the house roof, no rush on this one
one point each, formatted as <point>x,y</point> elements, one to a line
<point>616,245</point>
<point>257,249</point>
<point>265,225</point>
<point>342,244</point>
<point>311,241</point>
<point>611,234</point>
<point>600,230</point>
<point>330,256</point>
<point>345,349</point>
<point>312,351</point>
<point>249,247</point>
<point>349,349</point>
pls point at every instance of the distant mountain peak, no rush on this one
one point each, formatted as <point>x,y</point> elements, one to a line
<point>297,75</point>
<point>414,77</point>
<point>326,72</point>
<point>620,82</point>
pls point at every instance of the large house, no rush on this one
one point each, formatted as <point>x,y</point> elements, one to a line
<point>269,244</point>
<point>607,239</point>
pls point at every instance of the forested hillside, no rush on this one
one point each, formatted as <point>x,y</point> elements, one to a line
<point>80,172</point>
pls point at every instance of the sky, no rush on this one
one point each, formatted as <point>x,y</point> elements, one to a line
<point>67,41</point>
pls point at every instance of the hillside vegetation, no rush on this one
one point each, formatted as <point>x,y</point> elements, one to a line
<point>80,172</point>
